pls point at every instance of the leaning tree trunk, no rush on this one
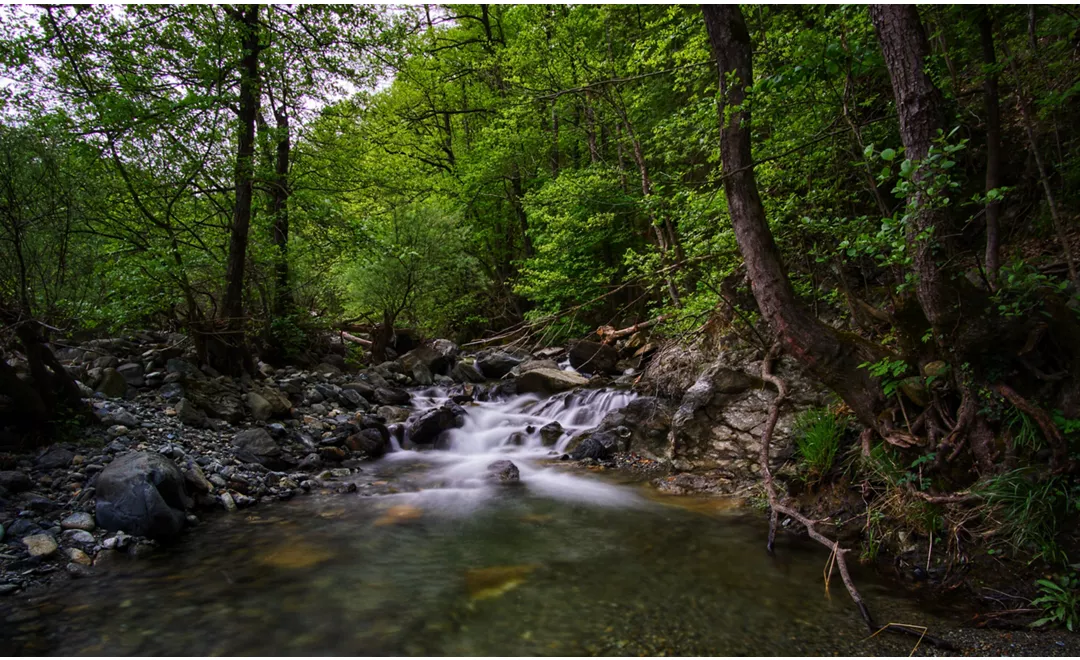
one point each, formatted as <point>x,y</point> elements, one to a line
<point>993,144</point>
<point>232,356</point>
<point>832,356</point>
<point>920,109</point>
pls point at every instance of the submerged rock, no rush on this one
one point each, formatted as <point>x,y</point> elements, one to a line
<point>503,472</point>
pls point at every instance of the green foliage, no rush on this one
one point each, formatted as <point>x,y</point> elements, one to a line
<point>1059,601</point>
<point>817,434</point>
<point>1029,509</point>
<point>890,372</point>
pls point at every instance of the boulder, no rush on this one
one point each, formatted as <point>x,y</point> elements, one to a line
<point>184,368</point>
<point>593,358</point>
<point>142,493</point>
<point>436,361</point>
<point>79,520</point>
<point>55,457</point>
<point>188,414</point>
<point>427,427</point>
<point>422,374</point>
<point>548,381</point>
<point>133,373</point>
<point>259,407</point>
<point>551,433</point>
<point>280,405</point>
<point>391,396</point>
<point>466,372</point>
<point>496,363</point>
<point>530,365</point>
<point>503,473</point>
<point>369,442</point>
<point>257,446</point>
<point>216,397</point>
<point>648,420</point>
<point>14,481</point>
<point>600,445</point>
<point>112,383</point>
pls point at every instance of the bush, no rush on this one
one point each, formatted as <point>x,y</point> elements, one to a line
<point>817,438</point>
<point>1029,509</point>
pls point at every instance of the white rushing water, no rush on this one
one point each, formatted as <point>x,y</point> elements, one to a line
<point>510,429</point>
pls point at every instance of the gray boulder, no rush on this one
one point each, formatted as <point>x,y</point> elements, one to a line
<point>15,481</point>
<point>427,427</point>
<point>256,446</point>
<point>55,457</point>
<point>496,364</point>
<point>188,414</point>
<point>504,473</point>
<point>593,358</point>
<point>112,383</point>
<point>259,407</point>
<point>466,372</point>
<point>549,381</point>
<point>142,493</point>
<point>133,373</point>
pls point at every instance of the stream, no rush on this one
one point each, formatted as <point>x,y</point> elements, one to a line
<point>430,558</point>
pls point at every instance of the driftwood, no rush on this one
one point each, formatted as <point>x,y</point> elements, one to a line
<point>777,506</point>
<point>356,340</point>
<point>608,334</point>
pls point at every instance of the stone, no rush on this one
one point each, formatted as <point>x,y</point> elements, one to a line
<point>190,415</point>
<point>548,381</point>
<point>117,430</point>
<point>79,520</point>
<point>593,358</point>
<point>355,398</point>
<point>142,493</point>
<point>14,481</point>
<point>436,361</point>
<point>196,479</point>
<point>421,373</point>
<point>465,372</point>
<point>551,433</point>
<point>112,384</point>
<point>530,365</point>
<point>40,545</point>
<point>332,454</point>
<point>258,406</point>
<point>326,368</point>
<point>55,457</point>
<point>78,537</point>
<point>77,570</point>
<point>915,389</point>
<point>503,472</point>
<point>391,396</point>
<point>122,417</point>
<point>496,363</point>
<point>183,367</point>
<point>227,501</point>
<point>216,397</point>
<point>132,373</point>
<point>79,557</point>
<point>369,442</point>
<point>427,427</point>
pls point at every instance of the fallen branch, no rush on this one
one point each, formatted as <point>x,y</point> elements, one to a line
<point>609,334</point>
<point>777,506</point>
<point>356,340</point>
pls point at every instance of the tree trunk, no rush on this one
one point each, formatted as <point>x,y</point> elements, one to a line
<point>279,209</point>
<point>919,106</point>
<point>232,357</point>
<point>833,357</point>
<point>993,144</point>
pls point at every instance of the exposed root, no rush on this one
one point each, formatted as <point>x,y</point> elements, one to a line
<point>1046,424</point>
<point>777,506</point>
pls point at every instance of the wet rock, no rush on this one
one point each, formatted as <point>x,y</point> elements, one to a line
<point>195,478</point>
<point>79,520</point>
<point>112,384</point>
<point>40,545</point>
<point>593,358</point>
<point>142,493</point>
<point>465,372</point>
<point>79,557</point>
<point>431,358</point>
<point>22,527</point>
<point>551,433</point>
<point>354,398</point>
<point>496,364</point>
<point>600,445</point>
<point>427,427</point>
<point>77,570</point>
<point>183,368</point>
<point>503,472</point>
<point>332,454</point>
<point>227,501</point>
<point>55,457</point>
<point>393,414</point>
<point>369,442</point>
<point>548,381</point>
<point>15,481</point>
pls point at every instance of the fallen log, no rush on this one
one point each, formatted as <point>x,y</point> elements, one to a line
<point>366,343</point>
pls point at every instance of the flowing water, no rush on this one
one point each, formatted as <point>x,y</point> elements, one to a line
<point>566,564</point>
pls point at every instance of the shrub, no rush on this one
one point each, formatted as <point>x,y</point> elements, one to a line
<point>817,438</point>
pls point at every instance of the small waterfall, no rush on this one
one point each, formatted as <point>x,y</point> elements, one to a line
<point>510,429</point>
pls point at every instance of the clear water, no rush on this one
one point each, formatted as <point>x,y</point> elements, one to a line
<point>567,564</point>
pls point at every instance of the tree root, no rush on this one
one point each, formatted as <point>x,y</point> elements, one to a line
<point>1053,434</point>
<point>776,507</point>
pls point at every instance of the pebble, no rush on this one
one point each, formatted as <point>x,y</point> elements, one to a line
<point>79,557</point>
<point>78,536</point>
<point>227,501</point>
<point>40,545</point>
<point>79,520</point>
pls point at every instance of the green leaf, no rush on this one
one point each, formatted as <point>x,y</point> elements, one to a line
<point>888,154</point>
